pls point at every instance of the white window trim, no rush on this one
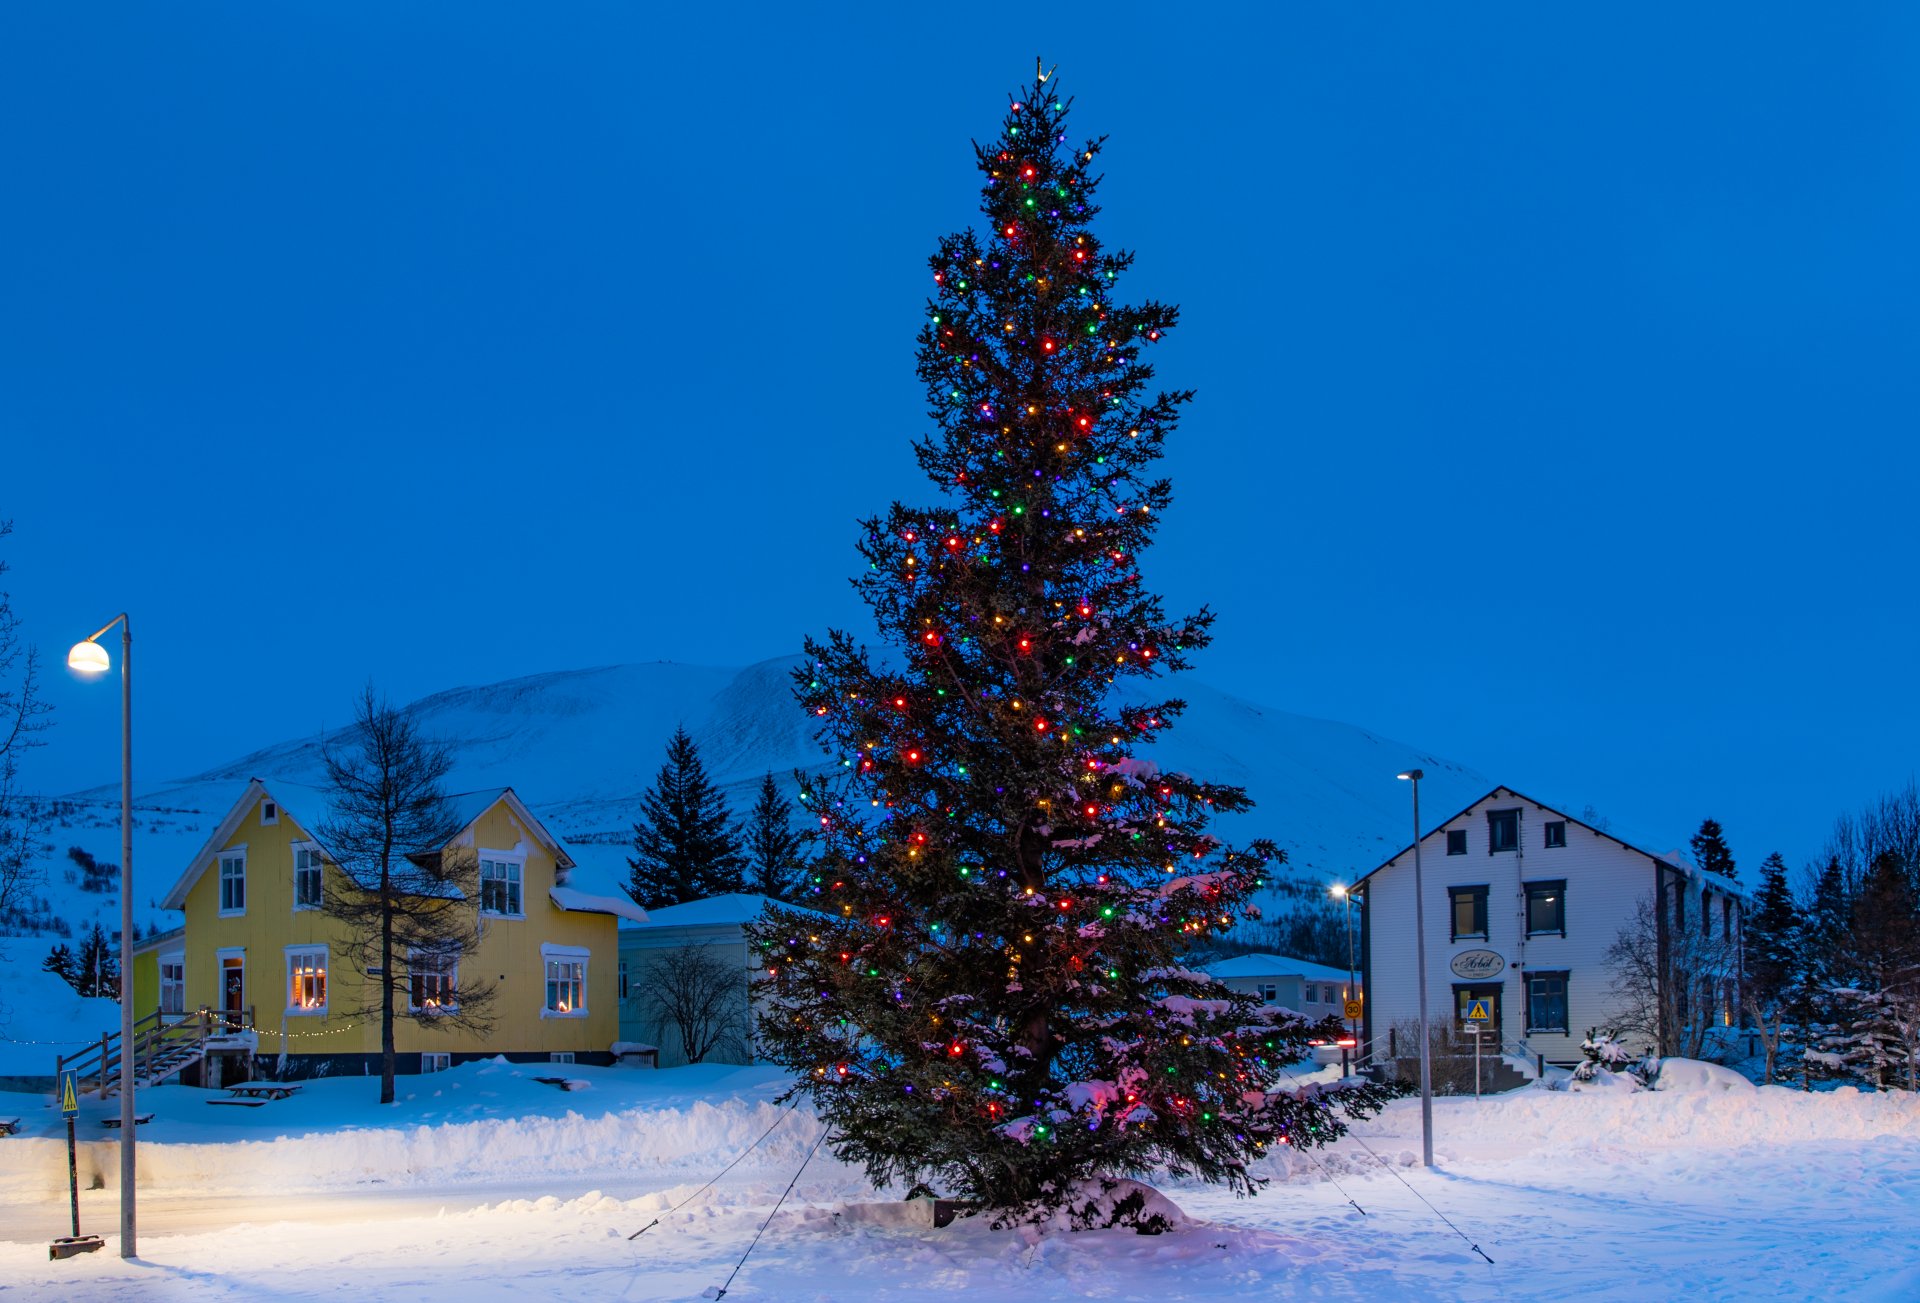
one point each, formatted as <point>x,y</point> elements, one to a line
<point>220,958</point>
<point>312,848</point>
<point>219,880</point>
<point>517,858</point>
<point>266,820</point>
<point>549,950</point>
<point>441,1061</point>
<point>326,971</point>
<point>160,963</point>
<point>453,981</point>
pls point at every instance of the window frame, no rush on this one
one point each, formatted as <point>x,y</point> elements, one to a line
<point>514,860</point>
<point>1553,835</point>
<point>435,1061</point>
<point>1269,992</point>
<point>1542,886</point>
<point>269,812</point>
<point>1456,836</point>
<point>316,865</point>
<point>1566,1000</point>
<point>172,959</point>
<point>1498,819</point>
<point>443,966</point>
<point>552,955</point>
<point>1479,893</point>
<point>305,950</point>
<point>238,855</point>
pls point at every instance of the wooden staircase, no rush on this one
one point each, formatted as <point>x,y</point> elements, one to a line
<point>163,1045</point>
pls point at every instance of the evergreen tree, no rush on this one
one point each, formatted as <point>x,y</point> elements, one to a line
<point>685,845</point>
<point>93,971</point>
<point>776,862</point>
<point>1877,1018</point>
<point>1710,852</point>
<point>997,1001</point>
<point>1822,968</point>
<point>1772,960</point>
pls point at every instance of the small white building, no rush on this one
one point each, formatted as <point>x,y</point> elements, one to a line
<point>1312,989</point>
<point>1522,903</point>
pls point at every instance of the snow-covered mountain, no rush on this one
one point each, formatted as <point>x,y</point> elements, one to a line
<point>580,745</point>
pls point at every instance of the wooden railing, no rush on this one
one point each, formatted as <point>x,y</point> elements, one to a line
<point>157,1035</point>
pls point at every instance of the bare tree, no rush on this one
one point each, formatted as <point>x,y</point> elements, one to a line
<point>407,897</point>
<point>22,716</point>
<point>695,993</point>
<point>1673,986</point>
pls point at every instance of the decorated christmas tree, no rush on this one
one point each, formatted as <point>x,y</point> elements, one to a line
<point>992,1000</point>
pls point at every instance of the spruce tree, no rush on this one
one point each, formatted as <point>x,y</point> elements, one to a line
<point>997,1002</point>
<point>776,863</point>
<point>1772,960</point>
<point>1822,968</point>
<point>684,846</point>
<point>1878,1007</point>
<point>1710,852</point>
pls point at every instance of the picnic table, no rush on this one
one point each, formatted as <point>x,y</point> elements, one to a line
<point>139,1120</point>
<point>262,1090</point>
<point>8,1126</point>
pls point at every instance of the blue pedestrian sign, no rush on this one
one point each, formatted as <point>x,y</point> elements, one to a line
<point>1480,1011</point>
<point>69,1092</point>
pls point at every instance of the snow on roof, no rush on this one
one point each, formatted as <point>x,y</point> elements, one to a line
<point>581,902</point>
<point>1274,966</point>
<point>735,907</point>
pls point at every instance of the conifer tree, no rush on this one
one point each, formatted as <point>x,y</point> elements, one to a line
<point>1772,961</point>
<point>93,971</point>
<point>1710,850</point>
<point>997,1003</point>
<point>776,862</point>
<point>1822,968</point>
<point>685,845</point>
<point>1876,1026</point>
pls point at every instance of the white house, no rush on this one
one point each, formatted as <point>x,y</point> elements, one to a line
<point>654,956</point>
<point>1312,989</point>
<point>1522,903</point>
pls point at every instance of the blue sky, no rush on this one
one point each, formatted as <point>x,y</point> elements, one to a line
<point>1556,368</point>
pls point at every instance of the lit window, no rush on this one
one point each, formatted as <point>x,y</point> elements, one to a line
<point>307,980</point>
<point>432,980</point>
<point>566,981</point>
<point>233,882</point>
<point>1546,908</point>
<point>500,888</point>
<point>1556,833</point>
<point>306,876</point>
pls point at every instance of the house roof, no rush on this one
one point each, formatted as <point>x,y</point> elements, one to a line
<point>736,907</point>
<point>312,807</point>
<point>1242,966</point>
<point>1669,860</point>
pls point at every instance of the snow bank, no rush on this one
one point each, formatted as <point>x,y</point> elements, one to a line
<point>1689,1076</point>
<point>41,1019</point>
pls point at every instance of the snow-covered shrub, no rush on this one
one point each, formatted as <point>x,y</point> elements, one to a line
<point>1603,1051</point>
<point>1694,1076</point>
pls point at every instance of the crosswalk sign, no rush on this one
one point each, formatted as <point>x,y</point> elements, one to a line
<point>69,1094</point>
<point>1480,1011</point>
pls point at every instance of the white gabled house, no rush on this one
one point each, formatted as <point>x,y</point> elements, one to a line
<point>1522,903</point>
<point>1298,984</point>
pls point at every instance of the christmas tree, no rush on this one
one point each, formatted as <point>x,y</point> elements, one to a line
<point>994,1000</point>
<point>685,845</point>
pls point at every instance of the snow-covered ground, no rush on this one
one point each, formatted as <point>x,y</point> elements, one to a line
<point>484,1184</point>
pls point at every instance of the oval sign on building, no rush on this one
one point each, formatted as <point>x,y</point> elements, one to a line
<point>1472,964</point>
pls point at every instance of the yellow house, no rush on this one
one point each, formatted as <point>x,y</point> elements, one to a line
<point>269,966</point>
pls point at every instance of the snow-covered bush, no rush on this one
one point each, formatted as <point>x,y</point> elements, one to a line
<point>1694,1076</point>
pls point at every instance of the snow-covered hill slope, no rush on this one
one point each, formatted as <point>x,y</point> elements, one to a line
<point>580,745</point>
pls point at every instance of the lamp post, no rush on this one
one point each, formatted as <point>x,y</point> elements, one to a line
<point>1420,958</point>
<point>90,658</point>
<point>1345,894</point>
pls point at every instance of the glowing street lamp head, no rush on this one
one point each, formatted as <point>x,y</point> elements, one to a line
<point>1414,775</point>
<point>89,657</point>
<point>1337,891</point>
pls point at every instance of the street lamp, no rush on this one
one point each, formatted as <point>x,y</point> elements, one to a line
<point>1420,958</point>
<point>1343,893</point>
<point>90,658</point>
